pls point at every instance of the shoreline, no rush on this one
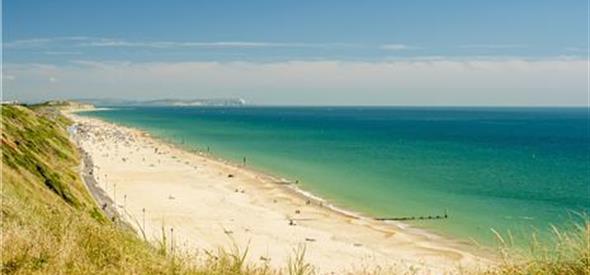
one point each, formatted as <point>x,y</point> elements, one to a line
<point>281,182</point>
<point>418,244</point>
<point>290,186</point>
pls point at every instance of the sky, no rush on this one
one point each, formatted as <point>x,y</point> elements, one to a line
<point>268,52</point>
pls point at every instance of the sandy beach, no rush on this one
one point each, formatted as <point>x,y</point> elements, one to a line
<point>204,203</point>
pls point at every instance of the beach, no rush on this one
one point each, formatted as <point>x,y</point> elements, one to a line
<point>203,203</point>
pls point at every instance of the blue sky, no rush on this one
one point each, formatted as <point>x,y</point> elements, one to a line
<point>57,40</point>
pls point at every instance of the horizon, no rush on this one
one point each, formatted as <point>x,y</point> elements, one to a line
<point>530,53</point>
<point>248,104</point>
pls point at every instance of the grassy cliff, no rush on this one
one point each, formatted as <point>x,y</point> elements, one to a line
<point>50,223</point>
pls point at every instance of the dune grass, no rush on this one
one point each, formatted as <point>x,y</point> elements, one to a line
<point>566,252</point>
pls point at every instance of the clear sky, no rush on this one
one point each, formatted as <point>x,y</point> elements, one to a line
<point>299,52</point>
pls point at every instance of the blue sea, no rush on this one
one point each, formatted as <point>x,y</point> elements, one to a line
<point>516,170</point>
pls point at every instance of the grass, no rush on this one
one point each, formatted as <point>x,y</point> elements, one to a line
<point>51,224</point>
<point>297,265</point>
<point>567,252</point>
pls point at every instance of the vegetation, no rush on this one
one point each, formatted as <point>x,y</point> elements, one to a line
<point>51,224</point>
<point>568,252</point>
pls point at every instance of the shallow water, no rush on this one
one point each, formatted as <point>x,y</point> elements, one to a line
<point>511,169</point>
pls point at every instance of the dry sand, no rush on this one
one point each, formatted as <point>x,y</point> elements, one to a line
<point>193,195</point>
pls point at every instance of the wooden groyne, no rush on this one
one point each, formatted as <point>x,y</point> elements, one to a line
<point>411,218</point>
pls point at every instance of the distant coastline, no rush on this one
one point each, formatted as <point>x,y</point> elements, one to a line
<point>219,102</point>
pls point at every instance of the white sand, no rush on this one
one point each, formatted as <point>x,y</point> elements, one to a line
<point>192,193</point>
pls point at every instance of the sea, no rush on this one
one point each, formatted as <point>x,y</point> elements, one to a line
<point>515,171</point>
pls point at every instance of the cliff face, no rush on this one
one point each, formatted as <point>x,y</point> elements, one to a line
<point>69,104</point>
<point>39,161</point>
<point>50,223</point>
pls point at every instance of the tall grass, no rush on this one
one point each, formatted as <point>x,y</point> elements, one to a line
<point>297,264</point>
<point>53,240</point>
<point>567,251</point>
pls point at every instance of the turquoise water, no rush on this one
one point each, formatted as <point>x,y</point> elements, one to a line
<point>511,169</point>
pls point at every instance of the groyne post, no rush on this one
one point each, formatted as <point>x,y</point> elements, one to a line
<point>411,218</point>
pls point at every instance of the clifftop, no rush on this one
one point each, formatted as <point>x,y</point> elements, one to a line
<point>66,105</point>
